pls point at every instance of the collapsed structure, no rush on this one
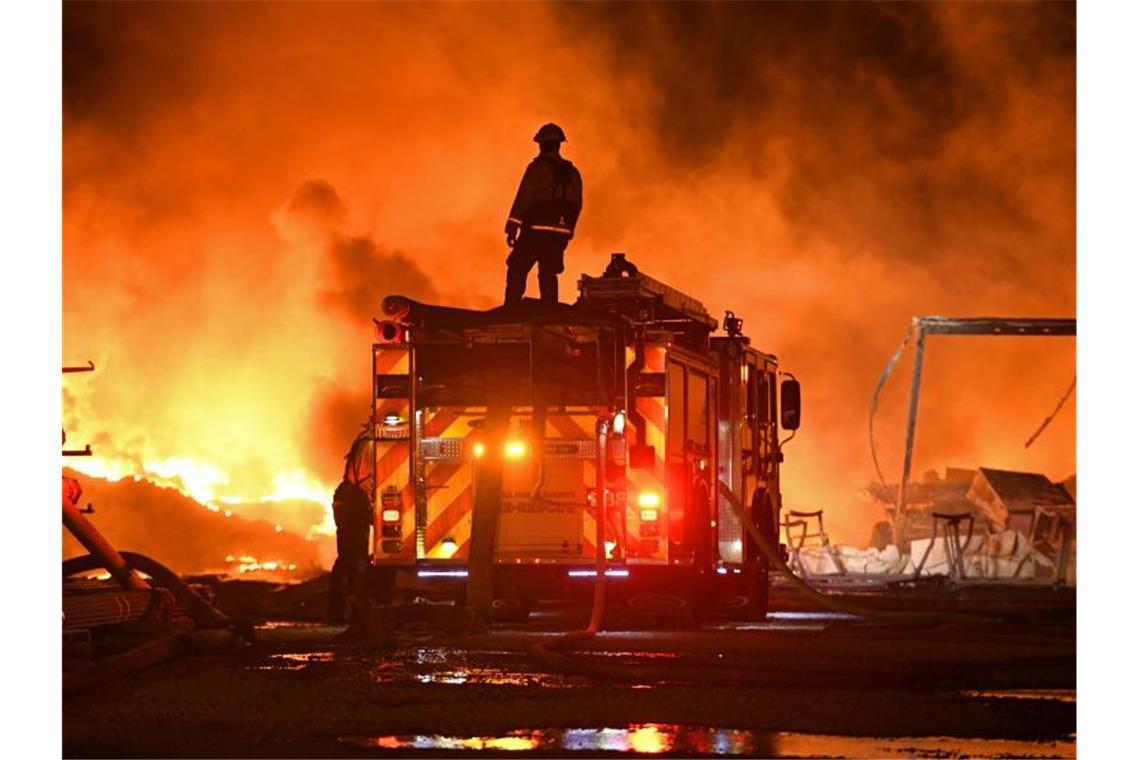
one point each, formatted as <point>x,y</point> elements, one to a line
<point>499,439</point>
<point>1001,516</point>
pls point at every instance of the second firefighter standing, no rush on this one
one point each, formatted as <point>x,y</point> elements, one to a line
<point>542,218</point>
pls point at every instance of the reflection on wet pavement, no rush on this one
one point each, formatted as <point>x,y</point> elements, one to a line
<point>452,666</point>
<point>296,660</point>
<point>658,738</point>
<point>428,665</point>
<point>1057,695</point>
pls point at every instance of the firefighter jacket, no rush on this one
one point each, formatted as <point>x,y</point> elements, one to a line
<point>351,509</point>
<point>549,196</point>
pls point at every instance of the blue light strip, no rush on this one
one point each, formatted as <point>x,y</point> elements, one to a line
<point>614,573</point>
<point>441,573</point>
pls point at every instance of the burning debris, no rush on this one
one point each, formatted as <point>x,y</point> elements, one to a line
<point>191,539</point>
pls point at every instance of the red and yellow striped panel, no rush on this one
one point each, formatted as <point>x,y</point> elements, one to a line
<point>448,492</point>
<point>523,533</point>
<point>393,466</point>
<point>580,427</point>
<point>649,548</point>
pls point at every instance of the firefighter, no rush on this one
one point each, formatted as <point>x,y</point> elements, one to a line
<point>542,218</point>
<point>353,515</point>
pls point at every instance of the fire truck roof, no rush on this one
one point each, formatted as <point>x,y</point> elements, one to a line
<point>530,311</point>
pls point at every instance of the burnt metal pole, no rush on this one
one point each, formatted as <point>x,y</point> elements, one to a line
<point>911,421</point>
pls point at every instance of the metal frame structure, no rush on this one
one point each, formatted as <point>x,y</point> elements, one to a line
<point>935,325</point>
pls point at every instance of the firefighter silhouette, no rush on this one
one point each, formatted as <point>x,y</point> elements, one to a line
<point>352,512</point>
<point>542,218</point>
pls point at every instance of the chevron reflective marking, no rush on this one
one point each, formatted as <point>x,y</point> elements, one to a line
<point>448,491</point>
<point>392,458</point>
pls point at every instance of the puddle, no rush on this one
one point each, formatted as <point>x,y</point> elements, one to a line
<point>295,660</point>
<point>274,625</point>
<point>1053,695</point>
<point>689,741</point>
<point>452,666</point>
<point>428,665</point>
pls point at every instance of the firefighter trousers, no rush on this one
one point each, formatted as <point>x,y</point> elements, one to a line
<point>349,572</point>
<point>546,249</point>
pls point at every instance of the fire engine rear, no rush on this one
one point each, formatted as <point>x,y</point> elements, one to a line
<point>501,408</point>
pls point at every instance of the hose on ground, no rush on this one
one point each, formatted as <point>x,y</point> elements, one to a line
<point>547,649</point>
<point>216,631</point>
<point>830,602</point>
<point>205,614</point>
<point>551,651</point>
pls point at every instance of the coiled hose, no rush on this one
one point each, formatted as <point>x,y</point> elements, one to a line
<point>205,614</point>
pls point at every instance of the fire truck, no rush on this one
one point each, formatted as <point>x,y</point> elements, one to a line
<point>485,428</point>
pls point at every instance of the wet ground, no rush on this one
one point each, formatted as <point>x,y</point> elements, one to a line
<point>802,684</point>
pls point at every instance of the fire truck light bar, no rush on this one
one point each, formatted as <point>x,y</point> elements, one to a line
<point>615,573</point>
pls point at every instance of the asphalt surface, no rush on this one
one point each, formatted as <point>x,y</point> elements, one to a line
<point>801,684</point>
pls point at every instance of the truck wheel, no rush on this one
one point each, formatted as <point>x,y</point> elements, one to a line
<point>663,611</point>
<point>760,584</point>
<point>763,513</point>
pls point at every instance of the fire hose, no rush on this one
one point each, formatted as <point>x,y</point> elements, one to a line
<point>547,650</point>
<point>552,650</point>
<point>825,600</point>
<point>215,630</point>
<point>205,614</point>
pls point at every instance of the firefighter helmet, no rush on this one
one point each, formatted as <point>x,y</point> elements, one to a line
<point>549,133</point>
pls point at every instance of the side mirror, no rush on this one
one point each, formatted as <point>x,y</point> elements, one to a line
<point>790,404</point>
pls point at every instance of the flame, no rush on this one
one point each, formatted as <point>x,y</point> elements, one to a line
<point>230,223</point>
<point>211,486</point>
<point>247,564</point>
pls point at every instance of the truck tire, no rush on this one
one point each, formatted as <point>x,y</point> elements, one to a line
<point>761,585</point>
<point>763,513</point>
<point>662,611</point>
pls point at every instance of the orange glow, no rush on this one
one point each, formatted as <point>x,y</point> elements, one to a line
<point>514,449</point>
<point>231,221</point>
<point>478,450</point>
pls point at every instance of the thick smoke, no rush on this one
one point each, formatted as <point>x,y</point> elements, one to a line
<point>827,171</point>
<point>358,274</point>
